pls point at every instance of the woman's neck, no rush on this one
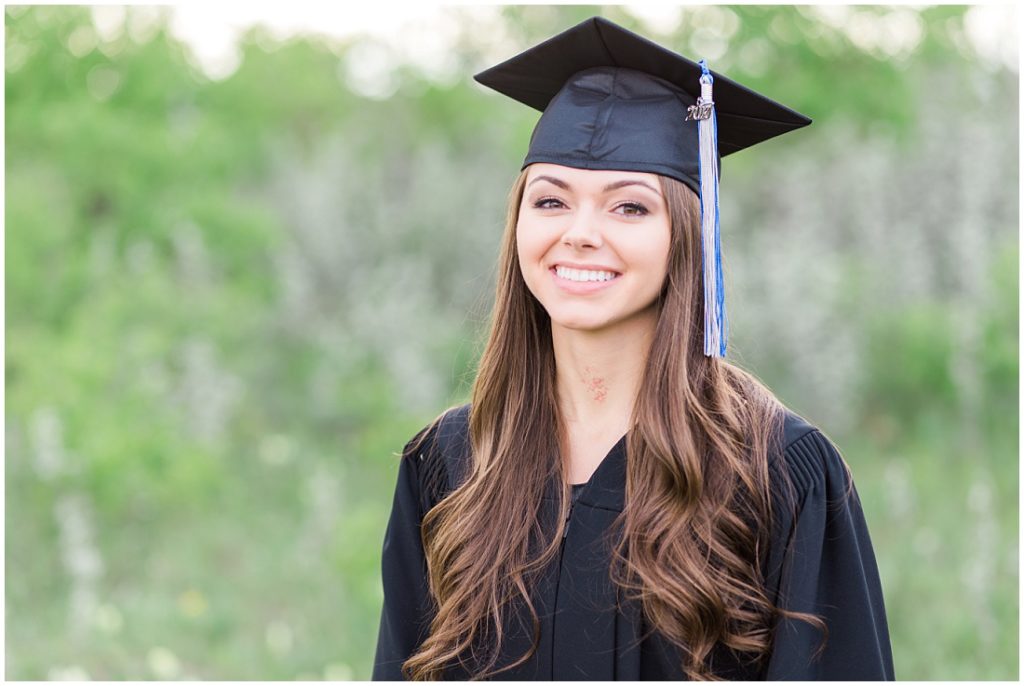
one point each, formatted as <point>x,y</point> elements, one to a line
<point>598,372</point>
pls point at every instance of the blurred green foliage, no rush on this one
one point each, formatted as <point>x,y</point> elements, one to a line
<point>200,441</point>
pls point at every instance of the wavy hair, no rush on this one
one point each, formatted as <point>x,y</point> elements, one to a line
<point>693,534</point>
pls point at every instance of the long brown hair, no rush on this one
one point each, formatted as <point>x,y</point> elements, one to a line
<point>698,503</point>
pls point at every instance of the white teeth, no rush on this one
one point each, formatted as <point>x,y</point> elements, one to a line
<point>583,274</point>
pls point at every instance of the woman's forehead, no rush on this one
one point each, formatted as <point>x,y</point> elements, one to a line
<point>585,178</point>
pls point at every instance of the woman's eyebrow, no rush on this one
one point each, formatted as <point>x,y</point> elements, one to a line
<point>629,182</point>
<point>607,189</point>
<point>550,179</point>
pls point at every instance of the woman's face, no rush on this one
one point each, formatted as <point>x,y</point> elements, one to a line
<point>593,245</point>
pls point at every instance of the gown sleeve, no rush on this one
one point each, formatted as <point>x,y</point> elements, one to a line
<point>408,609</point>
<point>827,568</point>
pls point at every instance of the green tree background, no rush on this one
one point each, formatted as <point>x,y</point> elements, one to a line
<point>232,299</point>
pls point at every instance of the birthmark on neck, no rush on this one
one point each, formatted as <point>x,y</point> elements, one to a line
<point>595,385</point>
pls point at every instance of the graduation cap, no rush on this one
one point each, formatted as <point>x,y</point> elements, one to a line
<point>612,99</point>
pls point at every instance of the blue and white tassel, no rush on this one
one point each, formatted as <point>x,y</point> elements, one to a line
<point>716,327</point>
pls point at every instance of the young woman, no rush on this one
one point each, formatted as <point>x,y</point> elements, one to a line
<point>617,501</point>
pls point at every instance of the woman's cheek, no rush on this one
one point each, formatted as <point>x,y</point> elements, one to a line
<point>531,251</point>
<point>529,258</point>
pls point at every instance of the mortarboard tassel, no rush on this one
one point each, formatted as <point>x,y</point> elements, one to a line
<point>716,327</point>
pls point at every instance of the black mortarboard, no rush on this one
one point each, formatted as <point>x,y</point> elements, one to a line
<point>612,99</point>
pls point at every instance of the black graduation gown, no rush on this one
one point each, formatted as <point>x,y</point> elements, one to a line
<point>822,562</point>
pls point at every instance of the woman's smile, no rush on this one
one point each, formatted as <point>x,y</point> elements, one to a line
<point>583,281</point>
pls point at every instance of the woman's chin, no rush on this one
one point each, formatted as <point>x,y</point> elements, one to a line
<point>602,319</point>
<point>578,323</point>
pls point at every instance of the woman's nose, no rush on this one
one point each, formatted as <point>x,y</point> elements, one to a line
<point>583,230</point>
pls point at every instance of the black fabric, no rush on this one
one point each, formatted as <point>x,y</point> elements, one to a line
<point>821,562</point>
<point>611,99</point>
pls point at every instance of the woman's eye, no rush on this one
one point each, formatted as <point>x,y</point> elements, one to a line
<point>631,209</point>
<point>548,204</point>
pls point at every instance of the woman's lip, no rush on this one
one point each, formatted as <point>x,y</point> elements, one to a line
<point>588,267</point>
<point>581,287</point>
